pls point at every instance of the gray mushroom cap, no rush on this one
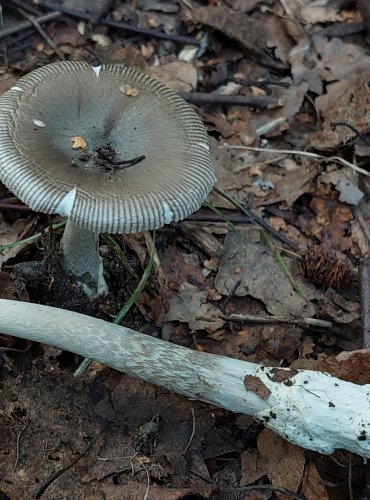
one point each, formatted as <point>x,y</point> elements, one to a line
<point>111,105</point>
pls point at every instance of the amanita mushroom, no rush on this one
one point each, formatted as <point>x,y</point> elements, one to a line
<point>109,147</point>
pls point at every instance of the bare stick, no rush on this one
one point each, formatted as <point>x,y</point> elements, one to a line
<point>44,35</point>
<point>336,159</point>
<point>27,24</point>
<point>365,300</point>
<point>151,33</point>
<point>104,9</point>
<point>311,409</point>
<point>249,318</point>
<point>263,102</point>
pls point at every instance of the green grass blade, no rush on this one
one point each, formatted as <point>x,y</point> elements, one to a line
<point>225,218</point>
<point>120,253</point>
<point>279,259</point>
<point>132,299</point>
<point>32,238</point>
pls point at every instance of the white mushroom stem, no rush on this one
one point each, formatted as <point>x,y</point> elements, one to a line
<point>311,409</point>
<point>80,257</point>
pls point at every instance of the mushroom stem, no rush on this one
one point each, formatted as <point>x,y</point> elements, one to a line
<point>311,409</point>
<point>80,257</point>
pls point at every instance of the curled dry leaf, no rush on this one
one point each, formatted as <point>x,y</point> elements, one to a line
<point>179,76</point>
<point>345,108</point>
<point>313,485</point>
<point>128,90</point>
<point>78,142</point>
<point>259,274</point>
<point>281,461</point>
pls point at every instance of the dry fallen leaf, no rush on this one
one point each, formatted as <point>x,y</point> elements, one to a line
<point>78,142</point>
<point>259,274</point>
<point>179,76</point>
<point>9,233</point>
<point>128,90</point>
<point>281,461</point>
<point>12,288</point>
<point>319,12</point>
<point>190,306</point>
<point>313,486</point>
<point>346,183</point>
<point>346,102</point>
<point>102,40</point>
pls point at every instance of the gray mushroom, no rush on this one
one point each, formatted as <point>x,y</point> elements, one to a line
<point>109,147</point>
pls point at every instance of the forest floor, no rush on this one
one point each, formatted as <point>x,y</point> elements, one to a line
<point>293,152</point>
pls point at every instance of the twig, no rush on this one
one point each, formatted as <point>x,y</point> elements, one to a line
<point>18,438</point>
<point>204,217</point>
<point>26,6</point>
<point>342,29</point>
<point>192,431</point>
<point>365,300</point>
<point>262,102</point>
<point>120,25</point>
<point>349,479</point>
<point>336,159</point>
<point>257,219</point>
<point>104,9</point>
<point>44,35</point>
<point>201,217</point>
<point>61,471</point>
<point>4,62</point>
<point>364,10</point>
<point>14,206</point>
<point>27,24</point>
<point>358,211</point>
<point>268,487</point>
<point>361,136</point>
<point>278,319</point>
<point>230,295</point>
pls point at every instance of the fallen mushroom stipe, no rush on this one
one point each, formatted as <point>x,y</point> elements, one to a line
<point>311,409</point>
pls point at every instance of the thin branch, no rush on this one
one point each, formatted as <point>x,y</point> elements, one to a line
<point>104,9</point>
<point>147,32</point>
<point>61,471</point>
<point>18,438</point>
<point>43,34</point>
<point>192,432</point>
<point>365,300</point>
<point>262,102</point>
<point>278,319</point>
<point>257,219</point>
<point>336,159</point>
<point>27,24</point>
<point>266,487</point>
<point>26,6</point>
<point>361,136</point>
<point>14,206</point>
<point>364,225</point>
<point>206,217</point>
